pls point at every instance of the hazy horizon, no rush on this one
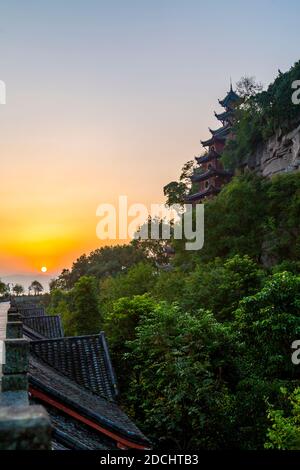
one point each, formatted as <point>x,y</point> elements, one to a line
<point>26,279</point>
<point>111,98</point>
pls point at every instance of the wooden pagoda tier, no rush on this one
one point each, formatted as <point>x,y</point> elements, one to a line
<point>209,178</point>
<point>219,136</point>
<point>206,193</point>
<point>231,100</point>
<point>208,157</point>
<point>209,174</point>
<point>226,117</point>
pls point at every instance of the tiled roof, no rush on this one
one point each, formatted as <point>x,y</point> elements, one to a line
<point>84,359</point>
<point>231,97</point>
<point>31,311</point>
<point>207,174</point>
<point>73,379</point>
<point>220,134</point>
<point>99,410</point>
<point>202,194</point>
<point>70,434</point>
<point>225,115</point>
<point>220,131</point>
<point>55,445</point>
<point>211,155</point>
<point>46,326</point>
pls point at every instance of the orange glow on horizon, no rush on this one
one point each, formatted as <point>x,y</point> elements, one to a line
<point>49,227</point>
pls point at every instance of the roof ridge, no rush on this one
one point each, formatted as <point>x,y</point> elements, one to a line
<point>62,338</point>
<point>48,326</point>
<point>113,413</point>
<point>44,316</point>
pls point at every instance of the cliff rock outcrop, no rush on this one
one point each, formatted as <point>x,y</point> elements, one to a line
<point>280,154</point>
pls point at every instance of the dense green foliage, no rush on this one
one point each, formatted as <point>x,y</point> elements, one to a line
<point>252,216</point>
<point>105,261</point>
<point>176,191</point>
<point>182,370</point>
<point>78,307</point>
<point>202,346</point>
<point>201,341</point>
<point>284,432</point>
<point>261,115</point>
<point>235,278</point>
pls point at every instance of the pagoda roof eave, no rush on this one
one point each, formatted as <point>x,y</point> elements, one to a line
<point>208,156</point>
<point>224,116</point>
<point>219,135</point>
<point>231,97</point>
<point>202,194</point>
<point>207,174</point>
<point>212,140</point>
<point>222,130</point>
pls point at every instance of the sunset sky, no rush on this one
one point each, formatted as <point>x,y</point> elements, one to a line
<point>106,98</point>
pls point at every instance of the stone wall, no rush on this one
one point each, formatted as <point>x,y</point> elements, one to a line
<point>280,154</point>
<point>22,427</point>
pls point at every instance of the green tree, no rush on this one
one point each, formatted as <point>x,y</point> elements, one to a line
<point>4,289</point>
<point>37,287</point>
<point>124,318</point>
<point>235,220</point>
<point>86,318</point>
<point>283,218</point>
<point>269,322</point>
<point>176,191</point>
<point>103,262</point>
<point>182,363</point>
<point>262,114</point>
<point>59,303</point>
<point>169,285</point>
<point>247,87</point>
<point>220,285</point>
<point>137,280</point>
<point>120,327</point>
<point>284,433</point>
<point>155,248</point>
<point>18,289</point>
<point>266,323</point>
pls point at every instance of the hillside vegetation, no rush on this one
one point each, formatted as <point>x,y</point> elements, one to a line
<point>201,342</point>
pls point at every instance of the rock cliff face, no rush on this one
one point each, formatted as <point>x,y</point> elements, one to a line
<point>280,154</point>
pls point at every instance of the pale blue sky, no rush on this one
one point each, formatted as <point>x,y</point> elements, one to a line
<point>135,69</point>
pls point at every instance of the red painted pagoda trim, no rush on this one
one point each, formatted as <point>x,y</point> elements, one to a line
<point>121,442</point>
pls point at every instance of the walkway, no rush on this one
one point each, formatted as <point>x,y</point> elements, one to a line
<point>4,306</point>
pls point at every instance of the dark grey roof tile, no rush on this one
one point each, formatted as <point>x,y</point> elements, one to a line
<point>47,326</point>
<point>84,359</point>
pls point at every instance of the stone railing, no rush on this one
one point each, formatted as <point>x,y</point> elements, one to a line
<point>22,426</point>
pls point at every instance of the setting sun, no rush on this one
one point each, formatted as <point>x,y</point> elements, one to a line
<point>44,269</point>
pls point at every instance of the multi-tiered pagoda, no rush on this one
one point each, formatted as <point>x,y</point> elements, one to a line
<point>210,176</point>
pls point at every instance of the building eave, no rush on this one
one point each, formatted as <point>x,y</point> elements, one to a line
<point>224,116</point>
<point>211,155</point>
<point>208,174</point>
<point>202,194</point>
<point>48,398</point>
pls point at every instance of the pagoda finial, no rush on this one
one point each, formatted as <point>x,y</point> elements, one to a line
<point>231,84</point>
